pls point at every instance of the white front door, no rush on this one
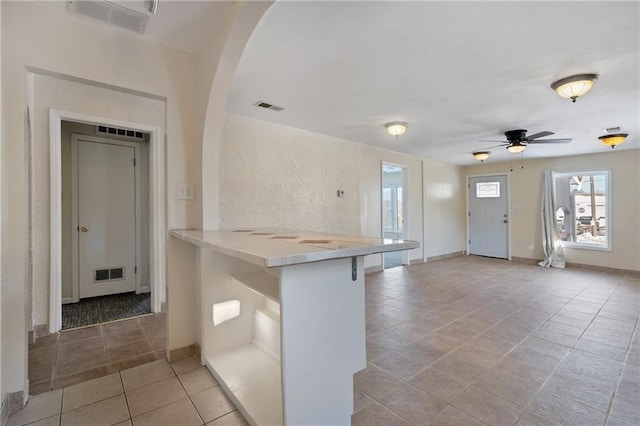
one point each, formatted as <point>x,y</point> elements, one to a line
<point>106,218</point>
<point>488,216</point>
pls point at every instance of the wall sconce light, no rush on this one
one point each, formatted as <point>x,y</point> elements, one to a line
<point>396,128</point>
<point>481,155</point>
<point>574,86</point>
<point>516,147</point>
<point>613,139</point>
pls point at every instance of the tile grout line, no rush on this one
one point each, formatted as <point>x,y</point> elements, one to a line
<point>202,422</point>
<point>126,400</point>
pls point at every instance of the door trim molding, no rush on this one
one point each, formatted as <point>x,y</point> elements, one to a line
<point>157,211</point>
<point>468,234</point>
<point>75,140</point>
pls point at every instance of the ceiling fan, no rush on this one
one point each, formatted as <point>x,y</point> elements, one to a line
<point>517,140</point>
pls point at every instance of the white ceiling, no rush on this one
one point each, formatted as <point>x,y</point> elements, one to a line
<point>457,72</point>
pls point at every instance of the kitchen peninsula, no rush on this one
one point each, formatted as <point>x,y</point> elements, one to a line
<point>282,319</point>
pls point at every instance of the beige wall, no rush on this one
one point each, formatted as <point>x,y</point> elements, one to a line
<point>3,203</point>
<point>526,191</point>
<point>273,175</point>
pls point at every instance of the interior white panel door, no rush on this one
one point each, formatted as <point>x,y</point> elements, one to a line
<point>488,216</point>
<point>106,218</point>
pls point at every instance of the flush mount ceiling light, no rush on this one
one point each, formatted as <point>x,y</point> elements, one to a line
<point>516,147</point>
<point>613,139</point>
<point>396,128</point>
<point>574,86</point>
<point>481,155</point>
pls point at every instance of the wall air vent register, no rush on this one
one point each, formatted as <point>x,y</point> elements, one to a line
<point>114,131</point>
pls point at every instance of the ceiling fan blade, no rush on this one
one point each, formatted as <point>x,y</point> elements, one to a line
<point>552,140</point>
<point>495,146</point>
<point>492,141</point>
<point>539,135</point>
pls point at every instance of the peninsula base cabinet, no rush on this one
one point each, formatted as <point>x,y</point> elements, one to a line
<point>292,340</point>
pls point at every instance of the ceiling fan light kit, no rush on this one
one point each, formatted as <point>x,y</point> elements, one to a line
<point>516,148</point>
<point>574,86</point>
<point>396,128</point>
<point>481,155</point>
<point>613,139</point>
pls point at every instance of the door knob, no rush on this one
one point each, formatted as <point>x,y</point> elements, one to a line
<point>505,221</point>
<point>84,229</point>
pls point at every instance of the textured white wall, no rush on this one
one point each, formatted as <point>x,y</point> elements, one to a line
<point>526,192</point>
<point>273,175</point>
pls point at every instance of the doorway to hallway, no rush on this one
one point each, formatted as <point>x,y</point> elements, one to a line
<point>105,241</point>
<point>394,208</point>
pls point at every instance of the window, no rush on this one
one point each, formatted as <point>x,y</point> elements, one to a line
<point>392,205</point>
<point>583,209</point>
<point>488,190</point>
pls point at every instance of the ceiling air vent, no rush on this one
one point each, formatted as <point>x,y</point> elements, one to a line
<point>114,131</point>
<point>110,13</point>
<point>616,129</point>
<point>267,105</point>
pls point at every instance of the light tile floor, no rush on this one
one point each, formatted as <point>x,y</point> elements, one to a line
<point>74,356</point>
<point>472,340</point>
<point>157,393</point>
<point>462,341</point>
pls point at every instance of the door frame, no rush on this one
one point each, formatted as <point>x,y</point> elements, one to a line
<point>75,139</point>
<point>157,211</point>
<point>509,210</point>
<point>405,206</point>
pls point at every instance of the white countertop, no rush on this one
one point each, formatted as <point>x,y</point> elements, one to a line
<point>272,247</point>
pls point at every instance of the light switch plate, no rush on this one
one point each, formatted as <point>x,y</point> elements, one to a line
<point>185,191</point>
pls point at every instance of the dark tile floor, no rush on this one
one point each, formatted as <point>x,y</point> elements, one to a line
<point>74,356</point>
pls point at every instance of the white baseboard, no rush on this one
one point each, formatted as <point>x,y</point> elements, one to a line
<point>67,300</point>
<point>145,289</point>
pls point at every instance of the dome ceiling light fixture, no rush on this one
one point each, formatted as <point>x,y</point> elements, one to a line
<point>613,139</point>
<point>574,86</point>
<point>396,128</point>
<point>481,155</point>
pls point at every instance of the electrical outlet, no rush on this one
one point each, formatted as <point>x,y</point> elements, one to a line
<point>185,191</point>
<point>519,244</point>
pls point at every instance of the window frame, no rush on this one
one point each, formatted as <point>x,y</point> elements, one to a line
<point>608,208</point>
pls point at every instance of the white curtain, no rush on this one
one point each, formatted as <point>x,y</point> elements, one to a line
<point>553,253</point>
